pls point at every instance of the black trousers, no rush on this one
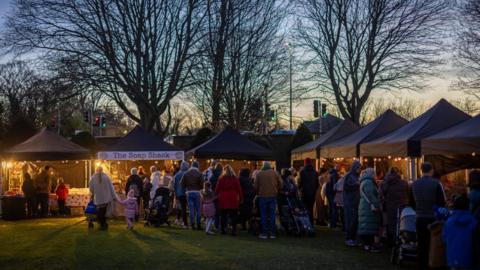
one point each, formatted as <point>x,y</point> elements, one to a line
<point>31,206</point>
<point>102,217</point>
<point>183,211</point>
<point>61,207</point>
<point>225,215</point>
<point>309,202</point>
<point>423,241</point>
<point>42,201</point>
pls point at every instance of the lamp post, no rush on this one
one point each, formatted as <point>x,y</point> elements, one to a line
<point>290,54</point>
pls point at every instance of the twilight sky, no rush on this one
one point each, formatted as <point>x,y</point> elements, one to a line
<point>438,87</point>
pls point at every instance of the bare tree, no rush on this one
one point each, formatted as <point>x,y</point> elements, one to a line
<point>243,63</point>
<point>136,52</point>
<point>468,49</point>
<point>356,46</point>
<point>407,108</point>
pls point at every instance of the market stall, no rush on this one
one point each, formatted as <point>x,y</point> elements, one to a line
<point>66,159</point>
<point>233,148</point>
<point>454,151</point>
<point>405,142</point>
<point>312,149</point>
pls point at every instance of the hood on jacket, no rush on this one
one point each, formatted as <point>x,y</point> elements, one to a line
<point>184,166</point>
<point>368,173</point>
<point>462,217</point>
<point>131,194</point>
<point>392,177</point>
<point>355,166</point>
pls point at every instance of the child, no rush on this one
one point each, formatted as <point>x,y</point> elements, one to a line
<point>458,235</point>
<point>62,194</point>
<point>131,208</point>
<point>208,206</point>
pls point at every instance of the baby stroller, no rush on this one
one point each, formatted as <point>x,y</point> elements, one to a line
<point>294,218</point>
<point>405,246</point>
<point>157,214</point>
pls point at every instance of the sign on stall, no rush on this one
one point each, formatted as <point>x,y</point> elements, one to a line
<point>141,155</point>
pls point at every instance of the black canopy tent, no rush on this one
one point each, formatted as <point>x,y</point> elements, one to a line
<point>313,148</point>
<point>138,144</point>
<point>48,148</point>
<point>461,139</point>
<point>406,141</point>
<point>46,145</point>
<point>230,144</point>
<point>349,146</point>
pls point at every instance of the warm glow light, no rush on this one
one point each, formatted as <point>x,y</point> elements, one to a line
<point>389,157</point>
<point>473,154</point>
<point>98,163</point>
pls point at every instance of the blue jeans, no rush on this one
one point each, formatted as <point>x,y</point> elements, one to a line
<point>193,199</point>
<point>267,214</point>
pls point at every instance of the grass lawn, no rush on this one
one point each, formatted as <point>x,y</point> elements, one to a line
<point>68,244</point>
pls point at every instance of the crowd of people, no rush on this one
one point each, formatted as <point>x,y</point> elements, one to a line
<point>36,191</point>
<point>354,201</point>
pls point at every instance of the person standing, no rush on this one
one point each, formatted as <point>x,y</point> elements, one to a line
<point>320,198</point>
<point>208,207</point>
<point>474,194</point>
<point>213,179</point>
<point>330,193</point>
<point>368,210</point>
<point>267,184</point>
<point>192,182</point>
<point>308,186</point>
<point>351,200</point>
<point>102,194</point>
<point>62,194</point>
<point>229,193</point>
<point>43,185</point>
<point>155,177</point>
<point>135,183</point>
<point>427,193</point>
<point>28,188</point>
<point>246,206</point>
<point>394,192</point>
<point>339,201</point>
<point>180,195</point>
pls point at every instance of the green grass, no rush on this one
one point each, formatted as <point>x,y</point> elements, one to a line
<point>68,244</point>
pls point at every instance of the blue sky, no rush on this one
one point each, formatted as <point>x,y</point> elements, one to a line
<point>438,87</point>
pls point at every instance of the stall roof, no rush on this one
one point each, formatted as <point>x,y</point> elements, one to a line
<point>463,138</point>
<point>349,146</point>
<point>138,144</point>
<point>312,149</point>
<point>406,141</point>
<point>230,144</point>
<point>47,145</point>
<point>327,123</point>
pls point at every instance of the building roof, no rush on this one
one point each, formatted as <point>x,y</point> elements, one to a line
<point>327,123</point>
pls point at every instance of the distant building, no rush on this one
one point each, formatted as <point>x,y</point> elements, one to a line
<point>327,123</point>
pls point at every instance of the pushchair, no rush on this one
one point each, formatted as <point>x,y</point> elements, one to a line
<point>157,214</point>
<point>294,217</point>
<point>405,245</point>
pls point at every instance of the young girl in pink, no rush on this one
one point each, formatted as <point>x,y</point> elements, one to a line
<point>131,208</point>
<point>208,205</point>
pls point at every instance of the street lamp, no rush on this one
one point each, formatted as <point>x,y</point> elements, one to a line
<point>290,54</point>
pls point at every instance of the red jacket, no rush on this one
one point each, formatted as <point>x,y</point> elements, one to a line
<point>229,192</point>
<point>62,192</point>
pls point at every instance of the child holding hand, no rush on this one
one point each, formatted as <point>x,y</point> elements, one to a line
<point>208,207</point>
<point>131,208</point>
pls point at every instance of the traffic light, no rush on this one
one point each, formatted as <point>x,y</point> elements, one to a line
<point>53,122</point>
<point>316,105</point>
<point>96,123</point>
<point>324,110</point>
<point>86,116</point>
<point>103,122</point>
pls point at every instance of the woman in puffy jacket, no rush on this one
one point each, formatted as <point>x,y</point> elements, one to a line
<point>229,194</point>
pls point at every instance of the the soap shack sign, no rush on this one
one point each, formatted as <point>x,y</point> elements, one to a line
<point>141,155</point>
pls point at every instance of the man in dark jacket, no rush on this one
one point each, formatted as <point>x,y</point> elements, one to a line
<point>192,182</point>
<point>135,183</point>
<point>394,192</point>
<point>330,192</point>
<point>308,185</point>
<point>427,193</point>
<point>29,192</point>
<point>43,186</point>
<point>351,200</point>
